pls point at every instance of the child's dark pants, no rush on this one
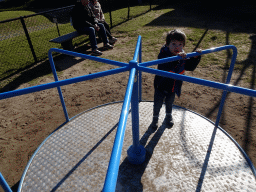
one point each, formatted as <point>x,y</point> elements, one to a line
<point>159,99</point>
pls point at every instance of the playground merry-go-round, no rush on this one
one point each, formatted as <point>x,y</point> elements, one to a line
<point>112,147</point>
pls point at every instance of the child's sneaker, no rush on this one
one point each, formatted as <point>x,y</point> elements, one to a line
<point>169,121</point>
<point>154,123</point>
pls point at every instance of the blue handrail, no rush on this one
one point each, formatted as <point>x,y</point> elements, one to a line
<point>135,67</point>
<point>111,177</point>
<point>222,86</point>
<point>137,52</point>
<point>4,184</point>
<point>131,93</point>
<point>51,85</point>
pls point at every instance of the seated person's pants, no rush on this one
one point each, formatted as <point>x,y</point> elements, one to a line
<point>91,32</point>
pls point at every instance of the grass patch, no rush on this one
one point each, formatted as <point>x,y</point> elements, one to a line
<point>132,26</point>
<point>154,37</point>
<point>22,56</point>
<point>13,61</point>
<point>4,15</point>
<point>121,15</point>
<point>14,46</point>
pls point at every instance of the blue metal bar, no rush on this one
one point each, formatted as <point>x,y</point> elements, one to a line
<point>4,184</point>
<point>135,97</point>
<point>77,55</point>
<point>206,160</point>
<point>140,52</point>
<point>18,92</point>
<point>231,68</point>
<point>223,98</point>
<point>209,150</point>
<point>140,74</point>
<point>193,54</point>
<point>135,113</point>
<point>232,64</point>
<point>208,83</point>
<point>137,49</point>
<point>59,89</point>
<point>140,86</point>
<point>112,173</point>
<point>99,59</point>
<point>136,153</point>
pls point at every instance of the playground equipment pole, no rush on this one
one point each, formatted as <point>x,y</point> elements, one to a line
<point>140,78</point>
<point>113,167</point>
<point>4,184</point>
<point>136,153</point>
<point>58,88</point>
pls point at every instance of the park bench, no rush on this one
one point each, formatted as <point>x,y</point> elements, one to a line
<point>66,40</point>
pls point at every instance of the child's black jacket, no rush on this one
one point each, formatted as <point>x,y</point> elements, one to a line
<point>169,85</point>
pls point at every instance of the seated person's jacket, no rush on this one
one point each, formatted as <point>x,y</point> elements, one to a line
<point>168,85</point>
<point>82,16</point>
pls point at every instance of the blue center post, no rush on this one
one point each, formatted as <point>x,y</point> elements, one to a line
<point>136,153</point>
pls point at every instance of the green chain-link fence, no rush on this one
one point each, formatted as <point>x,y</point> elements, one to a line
<point>24,41</point>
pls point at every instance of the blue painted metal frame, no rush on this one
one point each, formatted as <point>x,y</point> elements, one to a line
<point>133,95</point>
<point>136,153</point>
<point>4,184</point>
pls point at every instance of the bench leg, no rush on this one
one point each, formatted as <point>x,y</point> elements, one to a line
<point>67,45</point>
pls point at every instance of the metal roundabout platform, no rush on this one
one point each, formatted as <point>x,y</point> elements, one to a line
<point>111,149</point>
<point>76,156</point>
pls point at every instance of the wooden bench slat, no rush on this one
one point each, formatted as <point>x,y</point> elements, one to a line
<point>66,40</point>
<point>66,37</point>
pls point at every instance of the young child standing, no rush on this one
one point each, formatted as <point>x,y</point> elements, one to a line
<point>165,88</point>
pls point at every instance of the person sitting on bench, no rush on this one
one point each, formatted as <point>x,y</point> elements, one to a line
<point>85,22</point>
<point>96,8</point>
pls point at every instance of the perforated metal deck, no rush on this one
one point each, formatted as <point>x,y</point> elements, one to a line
<point>75,158</point>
